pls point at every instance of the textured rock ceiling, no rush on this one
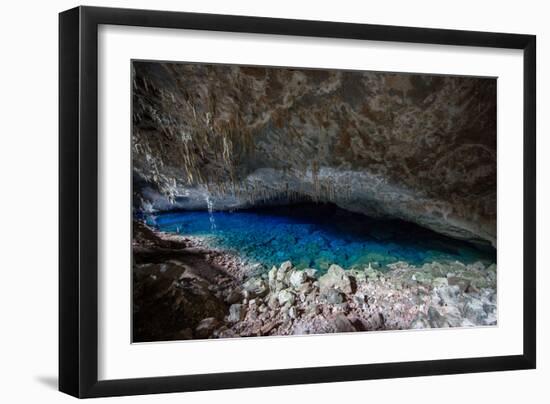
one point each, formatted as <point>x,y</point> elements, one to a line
<point>416,147</point>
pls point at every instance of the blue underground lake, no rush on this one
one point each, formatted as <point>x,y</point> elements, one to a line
<point>317,235</point>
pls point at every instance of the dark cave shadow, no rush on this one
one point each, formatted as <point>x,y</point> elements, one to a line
<point>48,381</point>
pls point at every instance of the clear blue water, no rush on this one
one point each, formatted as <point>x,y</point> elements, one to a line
<point>317,236</point>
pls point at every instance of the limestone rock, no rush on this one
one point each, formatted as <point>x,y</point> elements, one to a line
<point>335,278</point>
<point>342,324</point>
<point>236,313</point>
<point>286,296</point>
<point>297,279</point>
<point>256,287</point>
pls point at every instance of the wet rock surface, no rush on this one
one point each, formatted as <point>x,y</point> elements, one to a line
<point>184,290</point>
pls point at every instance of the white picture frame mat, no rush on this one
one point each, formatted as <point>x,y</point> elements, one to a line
<point>119,358</point>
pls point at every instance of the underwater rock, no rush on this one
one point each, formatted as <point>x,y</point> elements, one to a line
<point>170,297</point>
<point>283,269</point>
<point>447,295</point>
<point>293,312</point>
<point>371,273</point>
<point>273,301</point>
<point>420,322</point>
<point>460,282</point>
<point>267,328</point>
<point>283,275</point>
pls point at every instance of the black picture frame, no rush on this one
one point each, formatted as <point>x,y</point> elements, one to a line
<point>78,201</point>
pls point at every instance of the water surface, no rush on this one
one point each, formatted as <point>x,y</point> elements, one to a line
<point>317,236</point>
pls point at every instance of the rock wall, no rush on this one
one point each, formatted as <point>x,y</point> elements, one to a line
<point>417,147</point>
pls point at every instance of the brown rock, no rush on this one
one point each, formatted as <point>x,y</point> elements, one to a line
<point>206,327</point>
<point>342,324</point>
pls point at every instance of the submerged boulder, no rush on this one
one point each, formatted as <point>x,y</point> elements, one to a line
<point>474,310</point>
<point>310,272</point>
<point>234,296</point>
<point>272,278</point>
<point>332,296</point>
<point>435,318</point>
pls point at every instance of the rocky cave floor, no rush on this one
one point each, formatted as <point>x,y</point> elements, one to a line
<point>183,289</point>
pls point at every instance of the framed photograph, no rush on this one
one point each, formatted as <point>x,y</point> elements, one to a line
<point>251,201</point>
